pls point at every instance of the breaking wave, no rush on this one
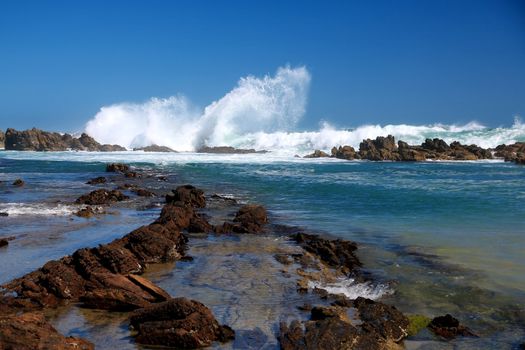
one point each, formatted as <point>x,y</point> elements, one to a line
<point>351,289</point>
<point>262,113</point>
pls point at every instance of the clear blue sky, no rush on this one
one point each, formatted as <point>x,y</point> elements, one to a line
<point>371,61</point>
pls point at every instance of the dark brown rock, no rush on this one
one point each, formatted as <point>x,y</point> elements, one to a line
<point>199,224</point>
<point>155,243</point>
<point>250,218</point>
<point>180,323</point>
<point>449,327</point>
<point>18,183</point>
<point>175,216</point>
<point>141,192</point>
<point>188,195</point>
<point>317,154</point>
<point>409,153</point>
<point>30,331</point>
<point>386,320</point>
<point>117,168</point>
<point>436,145</point>
<point>335,253</point>
<point>4,242</point>
<point>117,259</point>
<point>2,139</point>
<point>97,181</point>
<point>102,196</point>
<point>511,153</point>
<point>382,148</point>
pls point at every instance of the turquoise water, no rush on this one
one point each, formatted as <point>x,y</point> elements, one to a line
<point>448,237</point>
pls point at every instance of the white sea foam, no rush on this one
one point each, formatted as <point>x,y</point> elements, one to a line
<point>267,104</point>
<point>351,289</point>
<point>262,113</point>
<point>32,209</point>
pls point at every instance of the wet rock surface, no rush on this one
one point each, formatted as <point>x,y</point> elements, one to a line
<point>32,331</point>
<point>19,183</point>
<point>180,323</point>
<point>511,153</point>
<point>39,140</point>
<point>317,154</point>
<point>100,197</point>
<point>117,168</point>
<point>4,243</point>
<point>97,181</point>
<point>250,218</point>
<point>449,327</point>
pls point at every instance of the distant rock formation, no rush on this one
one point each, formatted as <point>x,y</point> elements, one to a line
<point>227,150</point>
<point>154,148</point>
<point>2,139</point>
<point>38,140</point>
<point>386,149</point>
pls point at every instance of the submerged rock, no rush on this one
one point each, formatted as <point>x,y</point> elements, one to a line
<point>18,183</point>
<point>32,331</point>
<point>97,181</point>
<point>86,212</point>
<point>180,323</point>
<point>102,196</point>
<point>117,168</point>
<point>250,218</point>
<point>4,243</point>
<point>449,327</point>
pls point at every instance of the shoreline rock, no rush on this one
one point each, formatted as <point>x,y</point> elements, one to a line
<point>39,140</point>
<point>155,148</point>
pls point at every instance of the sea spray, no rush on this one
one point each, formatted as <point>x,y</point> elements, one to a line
<point>267,104</point>
<point>262,113</point>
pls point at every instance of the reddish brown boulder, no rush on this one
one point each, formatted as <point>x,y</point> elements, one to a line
<point>180,323</point>
<point>141,192</point>
<point>175,216</point>
<point>386,320</point>
<point>188,195</point>
<point>29,331</point>
<point>155,243</point>
<point>317,154</point>
<point>101,196</point>
<point>250,218</point>
<point>86,212</point>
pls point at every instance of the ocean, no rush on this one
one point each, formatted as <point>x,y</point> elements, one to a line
<point>438,237</point>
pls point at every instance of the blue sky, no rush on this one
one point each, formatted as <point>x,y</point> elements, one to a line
<point>413,62</point>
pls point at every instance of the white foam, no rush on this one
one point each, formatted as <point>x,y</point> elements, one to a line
<point>352,289</point>
<point>265,104</point>
<point>31,209</point>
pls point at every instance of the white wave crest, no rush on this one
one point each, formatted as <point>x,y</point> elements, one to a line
<point>352,289</point>
<point>263,104</point>
<point>261,113</point>
<point>31,209</point>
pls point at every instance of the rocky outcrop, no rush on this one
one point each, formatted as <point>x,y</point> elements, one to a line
<point>4,242</point>
<point>511,153</point>
<point>154,148</point>
<point>250,218</point>
<point>345,152</point>
<point>38,140</point>
<point>338,253</point>
<point>381,327</point>
<point>100,197</point>
<point>227,150</point>
<point>97,181</point>
<point>449,327</point>
<point>2,139</point>
<point>187,195</point>
<point>385,149</point>
<point>178,323</point>
<point>317,154</point>
<point>30,330</point>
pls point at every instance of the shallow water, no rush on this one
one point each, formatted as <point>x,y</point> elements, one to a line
<point>447,237</point>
